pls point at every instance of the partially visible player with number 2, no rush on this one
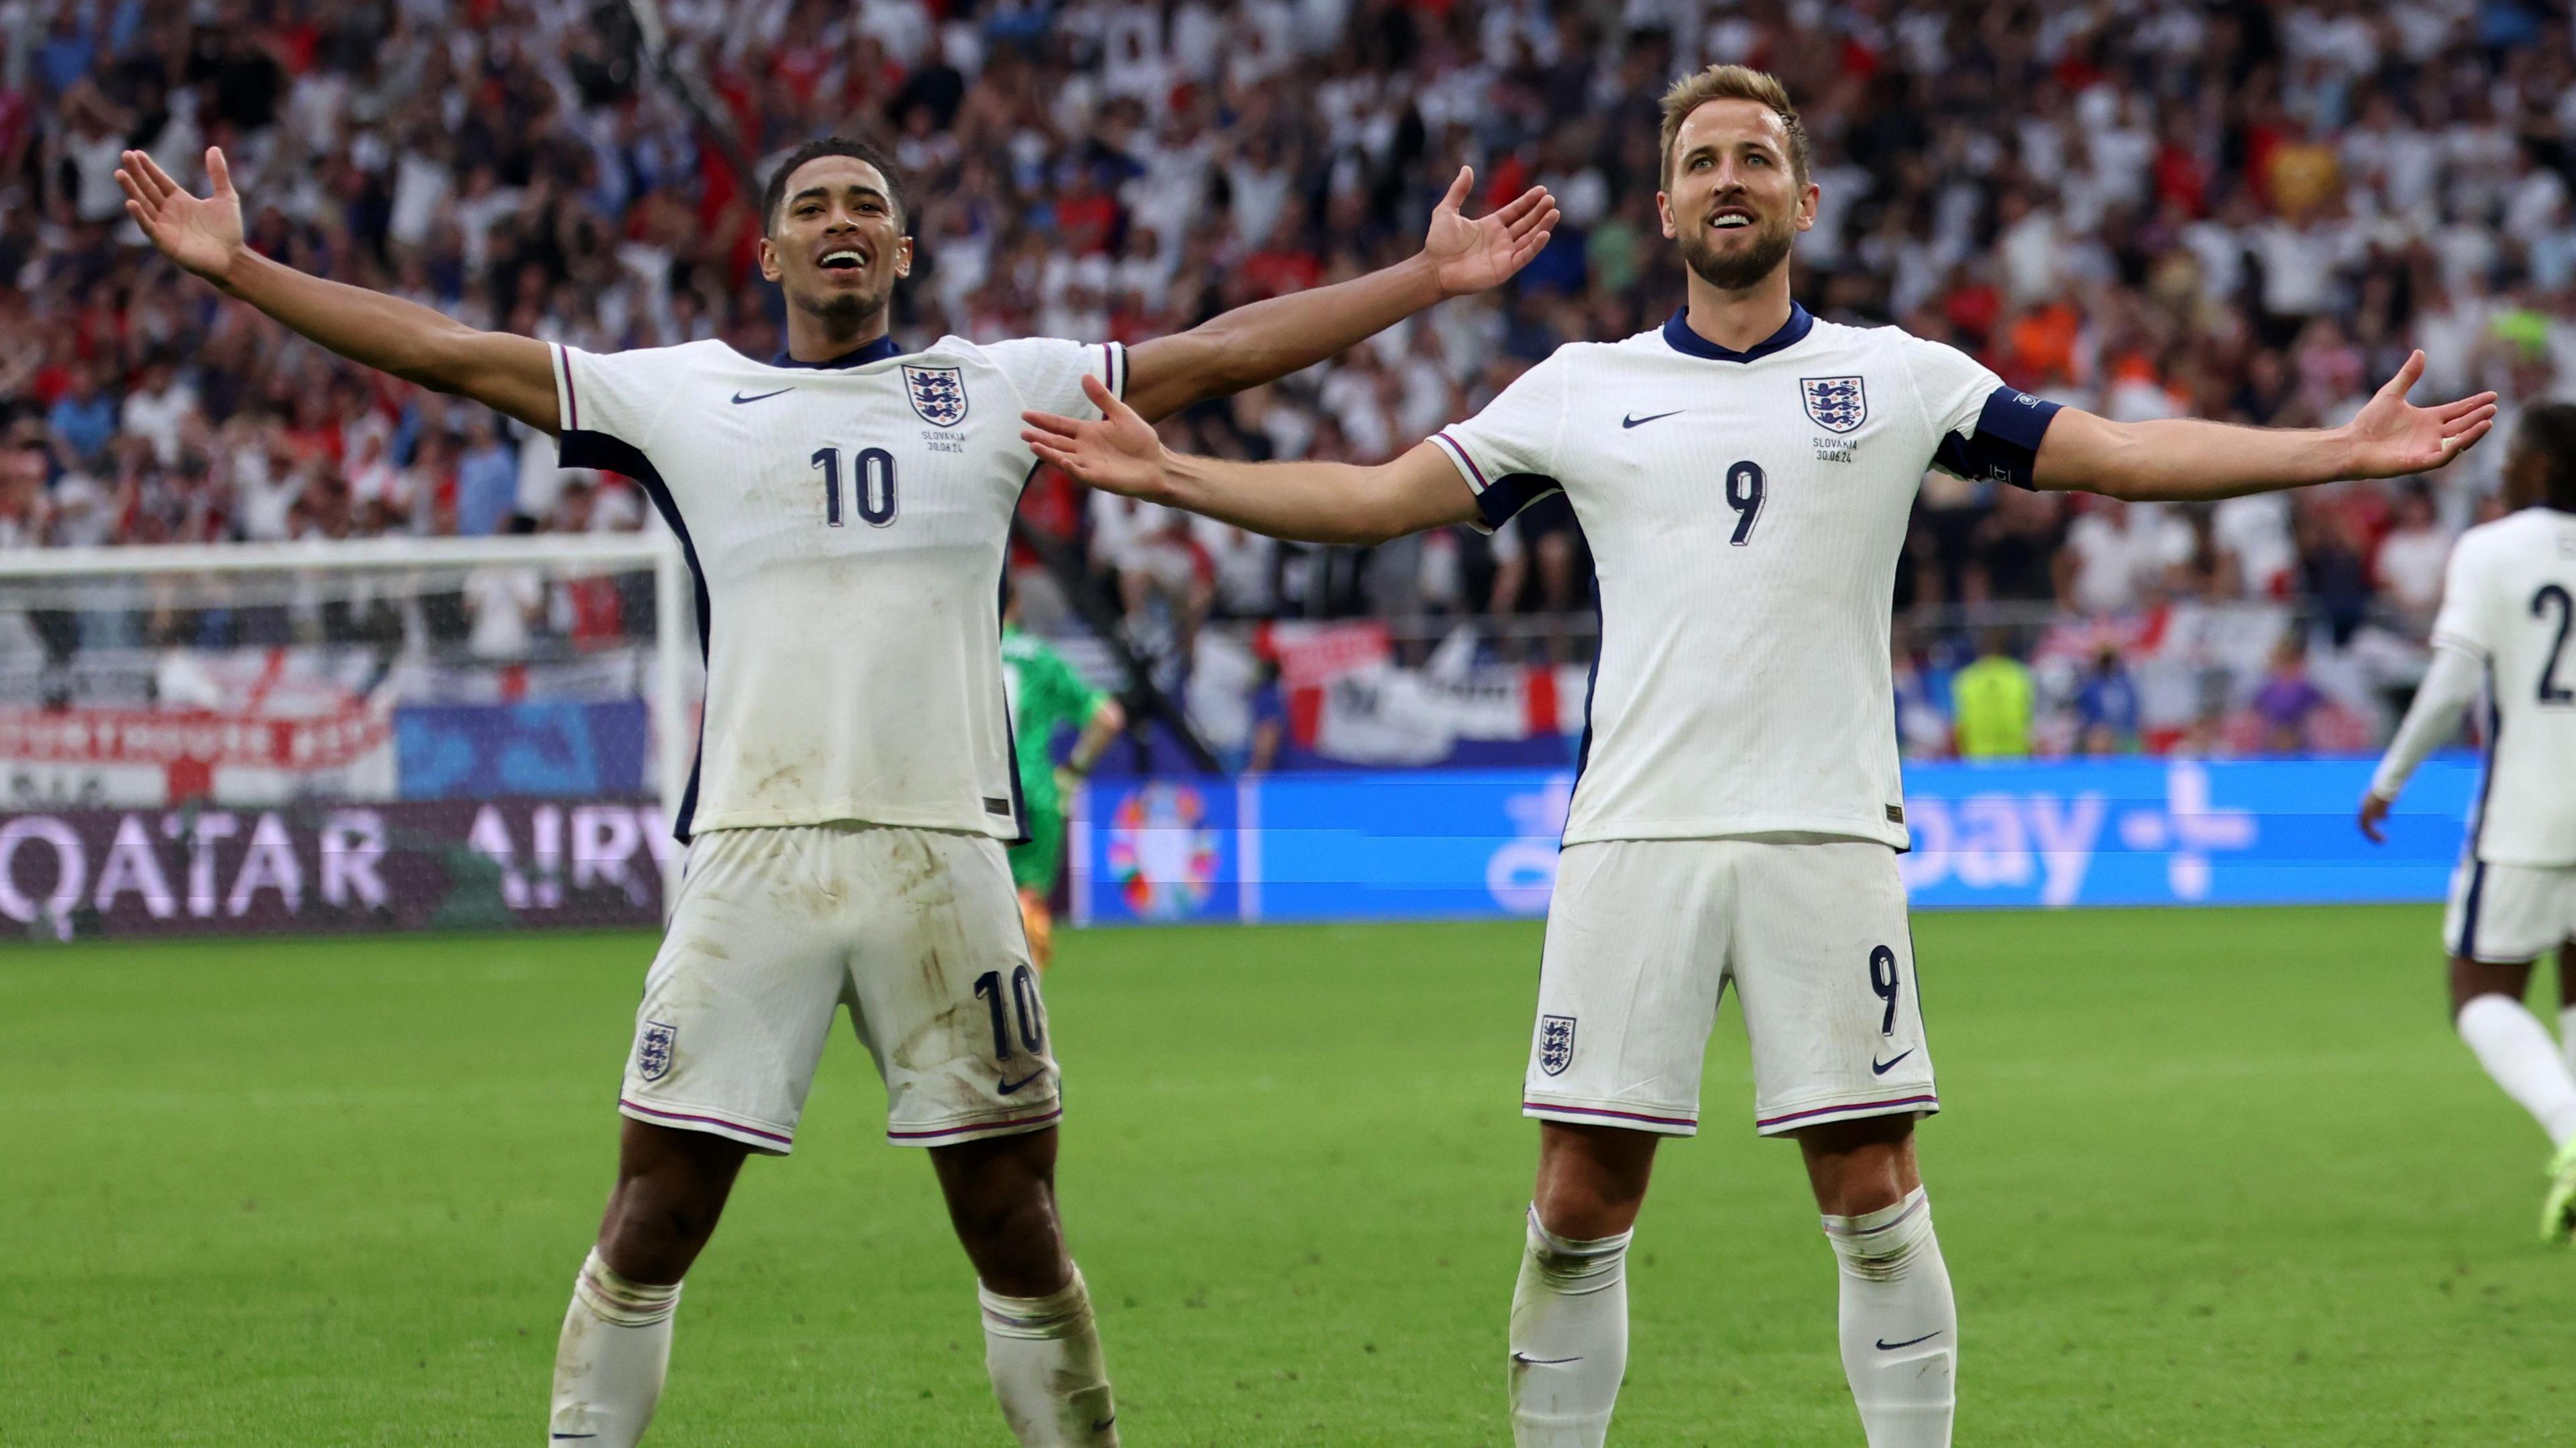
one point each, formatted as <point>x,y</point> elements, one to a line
<point>2508,628</point>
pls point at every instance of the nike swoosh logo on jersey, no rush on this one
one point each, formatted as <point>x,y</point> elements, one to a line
<point>739,399</point>
<point>1642,421</point>
<point>1881,1068</point>
<point>1007,1087</point>
<point>1527,1361</point>
<point>1103,1425</point>
<point>1885,1346</point>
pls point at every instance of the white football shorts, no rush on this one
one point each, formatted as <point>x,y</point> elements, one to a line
<point>917,931</point>
<point>2506,914</point>
<point>1644,937</point>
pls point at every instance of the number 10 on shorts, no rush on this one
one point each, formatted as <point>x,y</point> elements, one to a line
<point>1023,1004</point>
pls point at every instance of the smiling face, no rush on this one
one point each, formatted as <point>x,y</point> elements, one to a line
<point>836,244</point>
<point>1731,200</point>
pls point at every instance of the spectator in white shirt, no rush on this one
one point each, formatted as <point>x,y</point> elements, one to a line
<point>504,600</point>
<point>158,408</point>
<point>1245,565</point>
<point>2412,558</point>
<point>2117,553</point>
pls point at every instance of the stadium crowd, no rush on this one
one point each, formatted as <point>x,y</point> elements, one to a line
<point>2243,211</point>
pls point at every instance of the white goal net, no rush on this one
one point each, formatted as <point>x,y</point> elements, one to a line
<point>380,734</point>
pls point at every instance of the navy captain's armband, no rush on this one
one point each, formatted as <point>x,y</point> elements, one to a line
<point>2004,445</point>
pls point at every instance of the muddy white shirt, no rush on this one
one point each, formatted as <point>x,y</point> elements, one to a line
<point>1745,511</point>
<point>846,526</point>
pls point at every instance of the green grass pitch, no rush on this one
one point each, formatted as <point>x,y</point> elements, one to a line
<point>2210,1177</point>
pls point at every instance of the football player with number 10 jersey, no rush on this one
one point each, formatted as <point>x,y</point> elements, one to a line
<point>845,509</point>
<point>1744,474</point>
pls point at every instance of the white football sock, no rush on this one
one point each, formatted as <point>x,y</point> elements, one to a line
<point>1900,1326</point>
<point>2516,1050</point>
<point>2567,1036</point>
<point>1569,1338</point>
<point>1044,1357</point>
<point>609,1363</point>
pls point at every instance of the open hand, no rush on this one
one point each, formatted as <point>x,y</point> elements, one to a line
<point>2391,436</point>
<point>1470,256</point>
<point>202,234</point>
<point>1118,452</point>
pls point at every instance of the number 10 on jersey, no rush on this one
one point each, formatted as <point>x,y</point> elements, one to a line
<point>875,469</point>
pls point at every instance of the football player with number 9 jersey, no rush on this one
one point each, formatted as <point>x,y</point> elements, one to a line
<point>1744,474</point>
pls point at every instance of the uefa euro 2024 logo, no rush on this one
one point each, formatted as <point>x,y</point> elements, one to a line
<point>1162,852</point>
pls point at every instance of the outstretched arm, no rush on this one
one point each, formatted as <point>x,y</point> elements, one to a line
<point>1309,502</point>
<point>507,373</point>
<point>2185,460</point>
<point>1270,339</point>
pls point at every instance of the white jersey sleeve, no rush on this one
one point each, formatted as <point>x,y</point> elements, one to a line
<point>1988,430</point>
<point>1048,373</point>
<point>2450,686</point>
<point>618,395</point>
<point>1508,453</point>
<point>2463,623</point>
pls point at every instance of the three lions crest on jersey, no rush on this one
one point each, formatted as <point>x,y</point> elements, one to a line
<point>938,394</point>
<point>845,525</point>
<point>1745,511</point>
<point>1836,404</point>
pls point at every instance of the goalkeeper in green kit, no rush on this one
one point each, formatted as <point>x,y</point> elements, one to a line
<point>1047,698</point>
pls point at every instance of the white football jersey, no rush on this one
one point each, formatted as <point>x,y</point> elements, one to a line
<point>847,524</point>
<point>1745,511</point>
<point>2511,602</point>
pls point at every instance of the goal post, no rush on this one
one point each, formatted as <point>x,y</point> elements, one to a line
<point>379,733</point>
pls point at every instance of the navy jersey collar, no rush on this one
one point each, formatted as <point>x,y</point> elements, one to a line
<point>1679,336</point>
<point>876,351</point>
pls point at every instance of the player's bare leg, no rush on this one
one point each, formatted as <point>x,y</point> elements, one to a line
<point>1569,1332</point>
<point>2515,1048</point>
<point>1900,1325</point>
<point>1041,1345</point>
<point>616,1343</point>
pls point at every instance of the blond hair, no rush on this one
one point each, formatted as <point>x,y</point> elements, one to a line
<point>1732,83</point>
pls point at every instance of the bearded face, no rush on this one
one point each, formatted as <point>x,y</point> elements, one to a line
<point>1733,202</point>
<point>1732,255</point>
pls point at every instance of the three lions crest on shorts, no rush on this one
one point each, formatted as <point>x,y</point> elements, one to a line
<point>937,393</point>
<point>1555,1044</point>
<point>653,1050</point>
